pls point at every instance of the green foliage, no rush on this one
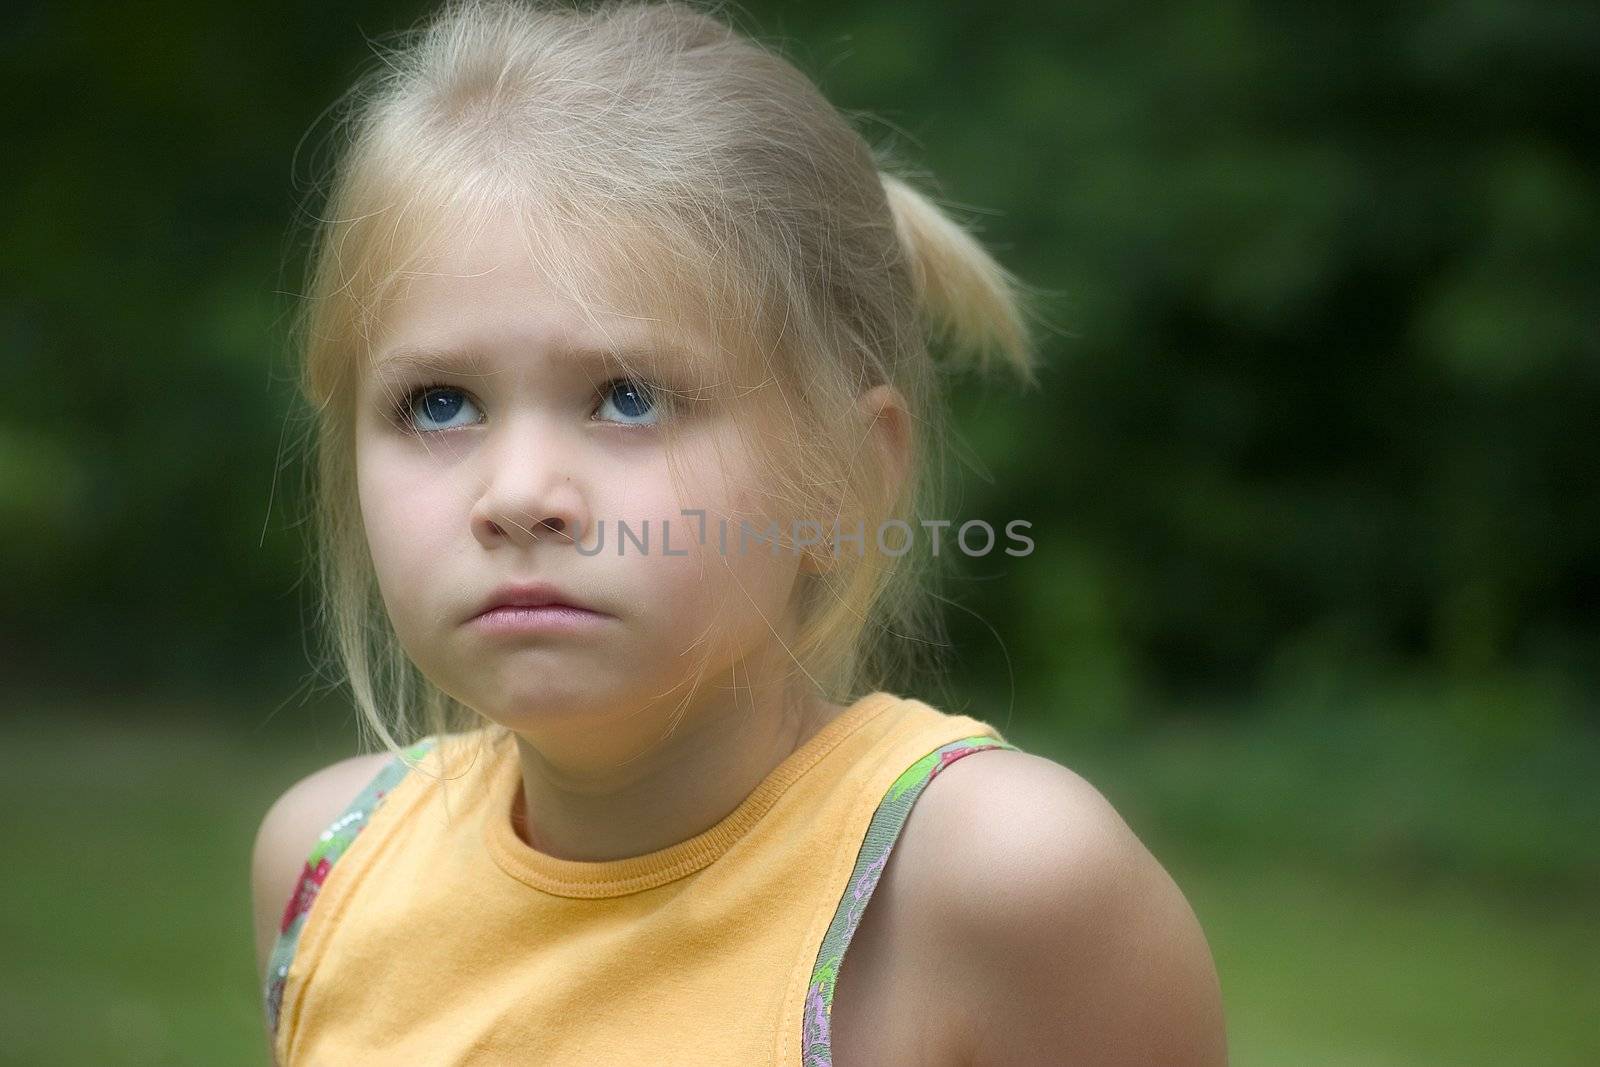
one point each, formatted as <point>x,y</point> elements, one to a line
<point>1320,389</point>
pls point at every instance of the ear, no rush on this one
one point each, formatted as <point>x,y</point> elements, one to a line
<point>886,420</point>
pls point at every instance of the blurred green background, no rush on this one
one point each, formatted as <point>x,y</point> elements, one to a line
<point>1314,476</point>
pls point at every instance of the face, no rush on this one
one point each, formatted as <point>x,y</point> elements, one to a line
<point>491,443</point>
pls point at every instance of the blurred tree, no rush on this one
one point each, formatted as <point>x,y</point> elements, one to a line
<point>1323,400</point>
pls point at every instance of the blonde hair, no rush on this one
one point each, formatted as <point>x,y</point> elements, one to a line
<point>657,136</point>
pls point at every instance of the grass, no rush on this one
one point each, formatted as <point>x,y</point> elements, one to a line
<point>1446,937</point>
<point>1333,969</point>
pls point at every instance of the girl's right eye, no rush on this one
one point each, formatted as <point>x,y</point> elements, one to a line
<point>431,408</point>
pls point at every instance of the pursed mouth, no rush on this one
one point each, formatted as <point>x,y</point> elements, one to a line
<point>552,606</point>
<point>530,596</point>
<point>548,609</point>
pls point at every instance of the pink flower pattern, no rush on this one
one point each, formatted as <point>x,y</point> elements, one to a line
<point>330,846</point>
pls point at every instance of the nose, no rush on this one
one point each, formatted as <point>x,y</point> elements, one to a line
<point>531,488</point>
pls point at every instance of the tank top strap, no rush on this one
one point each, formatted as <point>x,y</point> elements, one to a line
<point>333,843</point>
<point>882,832</point>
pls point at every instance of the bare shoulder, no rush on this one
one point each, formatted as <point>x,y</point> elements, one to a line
<point>290,830</point>
<point>1068,939</point>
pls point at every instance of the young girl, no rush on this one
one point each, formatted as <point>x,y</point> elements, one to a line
<point>618,342</point>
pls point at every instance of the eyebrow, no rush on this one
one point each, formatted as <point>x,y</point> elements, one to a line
<point>655,354</point>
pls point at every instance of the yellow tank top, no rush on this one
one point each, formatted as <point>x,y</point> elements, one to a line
<point>425,931</point>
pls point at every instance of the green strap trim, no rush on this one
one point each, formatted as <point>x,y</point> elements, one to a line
<point>882,832</point>
<point>333,843</point>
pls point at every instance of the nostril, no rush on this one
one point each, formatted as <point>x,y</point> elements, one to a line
<point>546,527</point>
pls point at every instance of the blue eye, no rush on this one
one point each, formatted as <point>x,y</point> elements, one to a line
<point>435,407</point>
<point>631,401</point>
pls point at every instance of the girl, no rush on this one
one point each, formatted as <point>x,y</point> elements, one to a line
<point>600,294</point>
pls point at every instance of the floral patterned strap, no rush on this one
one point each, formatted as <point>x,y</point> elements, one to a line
<point>882,832</point>
<point>330,846</point>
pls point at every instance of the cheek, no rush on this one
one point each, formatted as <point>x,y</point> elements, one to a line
<point>739,578</point>
<point>406,521</point>
<point>720,478</point>
<point>721,592</point>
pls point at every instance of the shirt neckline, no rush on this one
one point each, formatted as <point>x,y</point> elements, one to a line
<point>591,879</point>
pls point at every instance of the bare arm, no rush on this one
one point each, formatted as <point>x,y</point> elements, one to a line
<point>1070,941</point>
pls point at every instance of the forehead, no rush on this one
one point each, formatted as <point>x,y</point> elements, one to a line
<point>499,283</point>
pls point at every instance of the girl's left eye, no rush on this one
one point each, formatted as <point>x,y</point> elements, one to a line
<point>631,402</point>
<point>431,408</point>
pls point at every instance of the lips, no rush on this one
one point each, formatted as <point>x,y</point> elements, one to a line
<point>530,595</point>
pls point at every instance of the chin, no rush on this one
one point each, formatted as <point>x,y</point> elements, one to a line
<point>544,700</point>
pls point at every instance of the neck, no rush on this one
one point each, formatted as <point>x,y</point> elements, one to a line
<point>681,783</point>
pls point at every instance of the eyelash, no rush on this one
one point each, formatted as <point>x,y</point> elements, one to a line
<point>400,413</point>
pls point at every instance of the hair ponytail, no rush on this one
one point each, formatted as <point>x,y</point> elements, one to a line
<point>966,297</point>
